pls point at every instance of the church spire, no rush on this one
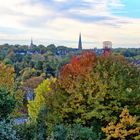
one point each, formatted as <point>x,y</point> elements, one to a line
<point>80,42</point>
<point>31,41</point>
<point>31,44</point>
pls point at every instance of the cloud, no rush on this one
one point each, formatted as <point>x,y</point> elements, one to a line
<point>60,21</point>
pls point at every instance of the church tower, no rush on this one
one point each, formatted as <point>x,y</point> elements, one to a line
<point>80,42</point>
<point>31,44</point>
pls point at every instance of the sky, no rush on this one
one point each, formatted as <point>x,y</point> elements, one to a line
<point>60,22</point>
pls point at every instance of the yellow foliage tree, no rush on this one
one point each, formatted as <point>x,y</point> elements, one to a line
<point>126,128</point>
<point>7,75</point>
<point>41,92</point>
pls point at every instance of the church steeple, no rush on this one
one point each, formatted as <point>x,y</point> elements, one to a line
<point>31,41</point>
<point>31,44</point>
<point>80,42</point>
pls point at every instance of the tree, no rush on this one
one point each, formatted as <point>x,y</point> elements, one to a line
<point>7,102</point>
<point>19,109</point>
<point>7,61</point>
<point>10,95</point>
<point>41,125</point>
<point>39,65</point>
<point>126,128</point>
<point>73,132</point>
<point>7,75</point>
<point>90,89</point>
<point>98,89</point>
<point>79,66</point>
<point>7,131</point>
<point>33,82</point>
<point>40,93</point>
<point>26,131</point>
<point>51,48</point>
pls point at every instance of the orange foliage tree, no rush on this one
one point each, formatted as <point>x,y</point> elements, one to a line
<point>79,66</point>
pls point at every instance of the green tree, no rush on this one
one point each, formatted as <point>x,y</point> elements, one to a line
<point>7,61</point>
<point>7,131</point>
<point>26,131</point>
<point>51,48</point>
<point>73,132</point>
<point>7,102</point>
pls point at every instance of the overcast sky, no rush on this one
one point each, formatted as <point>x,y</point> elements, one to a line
<point>61,21</point>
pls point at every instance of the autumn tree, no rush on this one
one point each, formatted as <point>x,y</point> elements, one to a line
<point>33,82</point>
<point>98,88</point>
<point>91,89</point>
<point>7,75</point>
<point>126,128</point>
<point>41,92</point>
<point>8,93</point>
<point>79,66</point>
<point>13,94</point>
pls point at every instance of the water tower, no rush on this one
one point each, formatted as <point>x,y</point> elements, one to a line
<point>107,46</point>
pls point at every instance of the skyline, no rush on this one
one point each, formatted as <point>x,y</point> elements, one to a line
<point>60,22</point>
